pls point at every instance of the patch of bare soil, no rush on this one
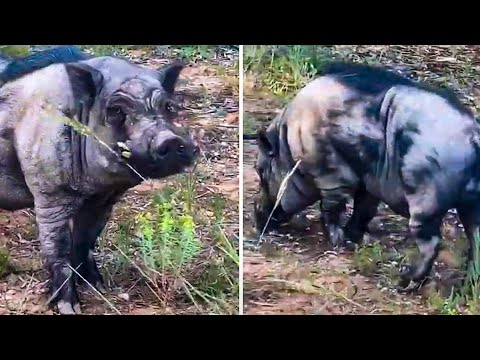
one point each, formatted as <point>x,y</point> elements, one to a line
<point>295,271</point>
<point>208,91</point>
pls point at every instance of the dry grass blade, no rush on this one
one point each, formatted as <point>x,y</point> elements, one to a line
<point>189,294</point>
<point>86,131</point>
<point>281,191</point>
<point>136,266</point>
<point>24,301</point>
<point>143,274</point>
<point>95,290</point>
<point>312,288</point>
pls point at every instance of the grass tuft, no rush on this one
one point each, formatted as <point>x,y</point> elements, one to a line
<point>367,259</point>
<point>4,260</point>
<point>167,244</point>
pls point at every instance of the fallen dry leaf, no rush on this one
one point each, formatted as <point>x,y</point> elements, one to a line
<point>231,118</point>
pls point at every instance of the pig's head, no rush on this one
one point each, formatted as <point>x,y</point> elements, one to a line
<point>270,172</point>
<point>274,162</point>
<point>132,109</point>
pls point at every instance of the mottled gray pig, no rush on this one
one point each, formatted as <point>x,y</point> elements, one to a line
<point>71,180</point>
<point>369,134</point>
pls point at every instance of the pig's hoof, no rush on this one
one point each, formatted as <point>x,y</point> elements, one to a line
<point>62,290</point>
<point>353,235</point>
<point>66,308</point>
<point>96,282</point>
<point>408,283</point>
<point>100,288</point>
<point>351,246</point>
<point>336,237</point>
<point>92,275</point>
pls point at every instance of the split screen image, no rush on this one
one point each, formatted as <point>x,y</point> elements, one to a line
<point>239,179</point>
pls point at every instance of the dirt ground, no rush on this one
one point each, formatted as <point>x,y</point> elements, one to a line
<point>294,271</point>
<point>208,90</point>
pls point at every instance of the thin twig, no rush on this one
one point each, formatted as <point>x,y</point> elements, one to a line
<point>298,286</point>
<point>154,293</point>
<point>189,294</point>
<point>142,273</point>
<point>86,131</point>
<point>24,302</point>
<point>136,266</point>
<point>227,126</point>
<point>98,292</point>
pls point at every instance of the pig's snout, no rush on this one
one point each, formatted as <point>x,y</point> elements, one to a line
<point>171,146</point>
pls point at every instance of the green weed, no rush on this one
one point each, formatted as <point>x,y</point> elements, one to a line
<point>4,260</point>
<point>367,259</point>
<point>15,51</point>
<point>448,306</point>
<point>248,124</point>
<point>201,52</point>
<point>167,243</point>
<point>108,50</point>
<point>285,69</point>
<point>471,289</point>
<point>167,236</point>
<point>466,299</point>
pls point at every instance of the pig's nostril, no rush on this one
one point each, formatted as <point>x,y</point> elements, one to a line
<point>162,150</point>
<point>174,145</point>
<point>181,150</point>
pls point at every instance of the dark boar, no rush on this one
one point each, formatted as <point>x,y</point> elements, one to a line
<point>71,180</point>
<point>366,133</point>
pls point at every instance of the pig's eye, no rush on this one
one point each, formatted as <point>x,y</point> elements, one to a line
<point>115,115</point>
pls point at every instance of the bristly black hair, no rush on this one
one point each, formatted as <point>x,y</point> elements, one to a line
<point>374,80</point>
<point>41,59</point>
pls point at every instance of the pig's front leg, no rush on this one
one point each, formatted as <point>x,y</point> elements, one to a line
<point>53,215</point>
<point>88,224</point>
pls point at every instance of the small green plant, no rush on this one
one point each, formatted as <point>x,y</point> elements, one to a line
<point>248,124</point>
<point>107,50</point>
<point>471,289</point>
<point>15,51</point>
<point>4,258</point>
<point>286,68</point>
<point>465,299</point>
<point>167,236</point>
<point>448,306</point>
<point>367,259</point>
<point>195,52</point>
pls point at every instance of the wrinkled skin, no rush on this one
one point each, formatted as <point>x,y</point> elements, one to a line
<point>71,180</point>
<point>416,150</point>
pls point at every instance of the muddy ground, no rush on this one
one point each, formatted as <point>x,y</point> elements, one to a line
<point>208,90</point>
<point>294,271</point>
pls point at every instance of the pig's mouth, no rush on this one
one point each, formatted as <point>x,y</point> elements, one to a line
<point>264,219</point>
<point>150,165</point>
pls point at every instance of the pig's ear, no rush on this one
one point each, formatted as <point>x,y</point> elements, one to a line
<point>169,76</point>
<point>265,144</point>
<point>86,81</point>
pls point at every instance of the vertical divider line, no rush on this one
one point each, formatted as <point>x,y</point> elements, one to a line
<point>240,203</point>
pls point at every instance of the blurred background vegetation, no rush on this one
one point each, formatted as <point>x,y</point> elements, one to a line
<point>189,52</point>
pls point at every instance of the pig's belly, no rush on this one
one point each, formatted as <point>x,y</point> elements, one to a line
<point>14,193</point>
